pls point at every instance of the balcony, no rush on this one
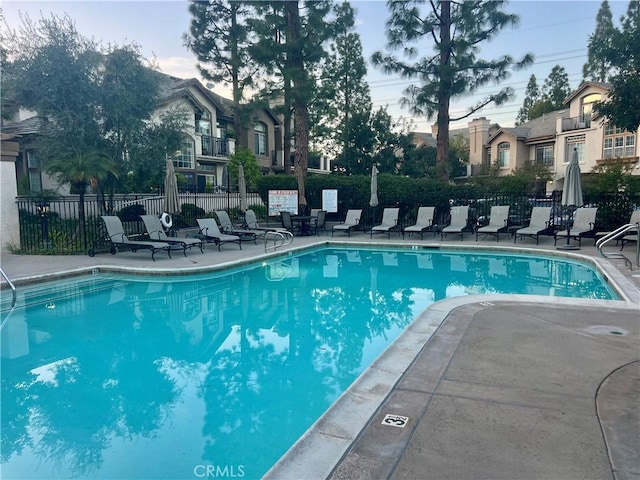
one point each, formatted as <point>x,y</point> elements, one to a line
<point>576,123</point>
<point>214,146</point>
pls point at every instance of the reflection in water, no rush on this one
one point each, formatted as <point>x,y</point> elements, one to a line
<point>148,377</point>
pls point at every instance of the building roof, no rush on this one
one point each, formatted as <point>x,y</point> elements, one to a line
<point>584,85</point>
<point>538,128</point>
<point>27,126</point>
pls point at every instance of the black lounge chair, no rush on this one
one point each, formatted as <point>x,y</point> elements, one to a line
<point>118,239</point>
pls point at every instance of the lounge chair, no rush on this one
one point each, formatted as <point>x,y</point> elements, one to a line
<point>251,223</point>
<point>210,232</point>
<point>424,222</point>
<point>389,222</point>
<point>498,222</point>
<point>538,224</point>
<point>157,234</point>
<point>626,236</point>
<point>459,221</point>
<point>351,222</point>
<point>226,226</point>
<point>118,238</point>
<point>584,224</point>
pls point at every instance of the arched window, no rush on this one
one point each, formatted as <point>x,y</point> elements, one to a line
<point>260,135</point>
<point>504,151</point>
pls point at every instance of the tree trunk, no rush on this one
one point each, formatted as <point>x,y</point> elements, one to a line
<point>300,107</point>
<point>444,96</point>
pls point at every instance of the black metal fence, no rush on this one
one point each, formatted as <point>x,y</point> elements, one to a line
<point>67,226</point>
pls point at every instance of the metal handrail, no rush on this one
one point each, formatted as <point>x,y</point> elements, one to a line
<point>11,285</point>
<point>280,238</point>
<point>615,235</point>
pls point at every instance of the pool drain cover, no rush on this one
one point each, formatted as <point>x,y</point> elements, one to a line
<point>392,420</point>
<point>606,330</point>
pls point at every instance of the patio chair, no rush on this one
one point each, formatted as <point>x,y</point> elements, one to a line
<point>251,223</point>
<point>389,222</point>
<point>459,221</point>
<point>351,222</point>
<point>210,232</point>
<point>226,226</point>
<point>538,224</point>
<point>424,222</point>
<point>626,236</point>
<point>319,224</point>
<point>118,239</point>
<point>498,222</point>
<point>157,234</point>
<point>287,223</point>
<point>584,224</point>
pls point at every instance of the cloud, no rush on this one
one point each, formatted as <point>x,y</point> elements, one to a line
<point>181,67</point>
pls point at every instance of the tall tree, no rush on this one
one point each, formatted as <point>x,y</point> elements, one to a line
<point>555,90</point>
<point>295,46</point>
<point>621,108</point>
<point>556,87</point>
<point>531,96</point>
<point>598,66</point>
<point>457,30</point>
<point>220,38</point>
<point>346,106</point>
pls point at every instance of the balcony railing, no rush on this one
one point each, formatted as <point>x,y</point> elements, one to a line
<point>214,146</point>
<point>576,123</point>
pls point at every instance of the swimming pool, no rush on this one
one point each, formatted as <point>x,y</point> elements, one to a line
<point>173,377</point>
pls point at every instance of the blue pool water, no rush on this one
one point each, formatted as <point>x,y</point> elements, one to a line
<point>218,374</point>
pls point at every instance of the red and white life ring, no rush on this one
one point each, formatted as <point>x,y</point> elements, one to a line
<point>166,220</point>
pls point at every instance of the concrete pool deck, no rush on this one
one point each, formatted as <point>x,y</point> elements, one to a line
<point>506,386</point>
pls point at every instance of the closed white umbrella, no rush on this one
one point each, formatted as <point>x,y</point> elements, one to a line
<point>242,189</point>
<point>171,199</point>
<point>572,190</point>
<point>373,202</point>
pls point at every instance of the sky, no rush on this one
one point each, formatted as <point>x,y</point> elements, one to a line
<point>555,32</point>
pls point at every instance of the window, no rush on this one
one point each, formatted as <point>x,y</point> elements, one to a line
<point>32,159</point>
<point>203,122</point>
<point>260,133</point>
<point>618,143</point>
<point>504,154</point>
<point>35,181</point>
<point>587,108</point>
<point>184,157</point>
<point>544,155</point>
<point>575,144</point>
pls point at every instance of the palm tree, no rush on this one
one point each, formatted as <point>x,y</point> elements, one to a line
<point>80,169</point>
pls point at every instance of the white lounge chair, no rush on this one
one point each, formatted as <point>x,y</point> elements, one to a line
<point>157,234</point>
<point>389,222</point>
<point>498,222</point>
<point>210,232</point>
<point>424,222</point>
<point>538,224</point>
<point>118,238</point>
<point>584,223</point>
<point>459,221</point>
<point>351,222</point>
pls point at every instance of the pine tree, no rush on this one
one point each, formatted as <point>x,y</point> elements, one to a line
<point>598,66</point>
<point>556,87</point>
<point>456,30</point>
<point>344,98</point>
<point>220,39</point>
<point>621,107</point>
<point>531,96</point>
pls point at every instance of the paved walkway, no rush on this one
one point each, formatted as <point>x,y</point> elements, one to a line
<point>506,387</point>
